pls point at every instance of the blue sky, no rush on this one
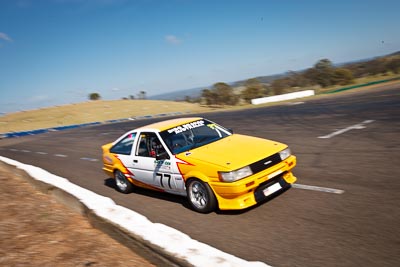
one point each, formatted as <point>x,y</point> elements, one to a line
<point>56,52</point>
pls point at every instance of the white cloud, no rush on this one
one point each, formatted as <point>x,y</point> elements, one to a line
<point>5,37</point>
<point>172,39</point>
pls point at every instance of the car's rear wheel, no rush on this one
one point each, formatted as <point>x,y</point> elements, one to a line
<point>123,185</point>
<point>200,196</point>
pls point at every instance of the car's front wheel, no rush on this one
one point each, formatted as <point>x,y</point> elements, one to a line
<point>123,185</point>
<point>200,196</point>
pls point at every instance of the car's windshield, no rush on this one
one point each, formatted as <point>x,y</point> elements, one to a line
<point>191,135</point>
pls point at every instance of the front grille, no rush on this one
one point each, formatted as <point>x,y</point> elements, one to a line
<point>265,163</point>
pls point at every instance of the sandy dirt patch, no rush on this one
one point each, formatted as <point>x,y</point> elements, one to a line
<point>35,230</point>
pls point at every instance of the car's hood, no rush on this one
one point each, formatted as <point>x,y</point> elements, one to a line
<point>234,152</point>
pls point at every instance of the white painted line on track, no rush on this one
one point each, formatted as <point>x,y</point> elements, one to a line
<point>89,159</point>
<point>358,126</point>
<point>295,103</point>
<point>60,155</point>
<point>318,188</point>
<point>55,155</point>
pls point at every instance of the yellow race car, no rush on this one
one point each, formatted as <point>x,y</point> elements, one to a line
<point>202,160</point>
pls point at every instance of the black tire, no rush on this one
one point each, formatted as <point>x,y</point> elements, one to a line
<point>122,184</point>
<point>200,196</point>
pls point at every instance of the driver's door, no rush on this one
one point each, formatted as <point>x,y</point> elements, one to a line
<point>146,167</point>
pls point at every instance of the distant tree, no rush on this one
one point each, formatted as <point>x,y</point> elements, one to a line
<point>342,76</point>
<point>324,72</point>
<point>131,97</point>
<point>210,97</point>
<point>220,94</point>
<point>297,79</point>
<point>142,95</point>
<point>394,65</point>
<point>375,66</point>
<point>310,75</point>
<point>196,99</point>
<point>94,96</point>
<point>254,89</point>
<point>224,94</point>
<point>278,86</point>
<point>268,91</point>
<point>357,69</point>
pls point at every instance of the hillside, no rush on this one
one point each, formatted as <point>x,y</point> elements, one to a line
<point>267,79</point>
<point>92,111</point>
<point>180,94</point>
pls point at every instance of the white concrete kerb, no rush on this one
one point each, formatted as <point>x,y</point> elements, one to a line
<point>171,240</point>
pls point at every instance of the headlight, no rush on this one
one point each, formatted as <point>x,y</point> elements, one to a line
<point>235,175</point>
<point>284,154</point>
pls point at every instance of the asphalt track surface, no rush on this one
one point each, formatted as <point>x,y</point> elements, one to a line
<point>348,142</point>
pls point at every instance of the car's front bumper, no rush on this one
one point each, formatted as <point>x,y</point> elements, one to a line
<point>255,188</point>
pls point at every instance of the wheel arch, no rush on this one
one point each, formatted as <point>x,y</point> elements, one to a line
<point>196,175</point>
<point>123,171</point>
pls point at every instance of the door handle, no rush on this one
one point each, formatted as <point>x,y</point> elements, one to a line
<point>135,161</point>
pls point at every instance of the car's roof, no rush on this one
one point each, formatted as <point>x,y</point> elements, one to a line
<point>168,124</point>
